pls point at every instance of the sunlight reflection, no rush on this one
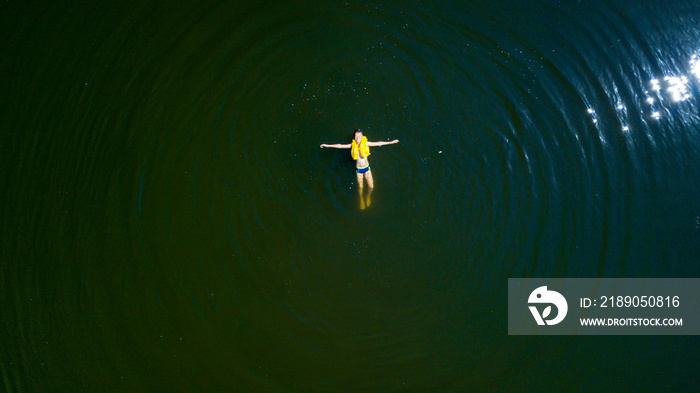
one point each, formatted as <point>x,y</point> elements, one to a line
<point>695,66</point>
<point>677,88</point>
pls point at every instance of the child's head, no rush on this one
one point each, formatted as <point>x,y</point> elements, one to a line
<point>358,135</point>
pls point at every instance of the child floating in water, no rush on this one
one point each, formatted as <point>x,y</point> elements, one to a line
<point>359,150</point>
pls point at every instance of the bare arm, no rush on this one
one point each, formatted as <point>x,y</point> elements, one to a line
<point>382,143</point>
<point>337,146</point>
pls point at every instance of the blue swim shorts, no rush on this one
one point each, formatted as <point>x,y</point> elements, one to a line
<point>363,170</point>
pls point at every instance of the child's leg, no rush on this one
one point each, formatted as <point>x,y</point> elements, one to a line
<point>370,183</point>
<point>360,186</point>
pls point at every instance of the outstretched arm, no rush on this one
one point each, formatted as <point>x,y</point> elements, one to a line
<point>337,146</point>
<point>382,143</point>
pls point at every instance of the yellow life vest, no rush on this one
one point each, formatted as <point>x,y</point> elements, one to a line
<point>359,151</point>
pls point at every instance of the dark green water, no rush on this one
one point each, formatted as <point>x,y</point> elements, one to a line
<point>169,222</point>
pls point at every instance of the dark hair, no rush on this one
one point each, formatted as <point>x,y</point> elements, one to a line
<point>356,131</point>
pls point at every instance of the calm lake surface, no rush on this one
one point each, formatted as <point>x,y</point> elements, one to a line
<point>170,224</point>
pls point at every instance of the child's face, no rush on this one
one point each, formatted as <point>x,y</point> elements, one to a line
<point>358,137</point>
